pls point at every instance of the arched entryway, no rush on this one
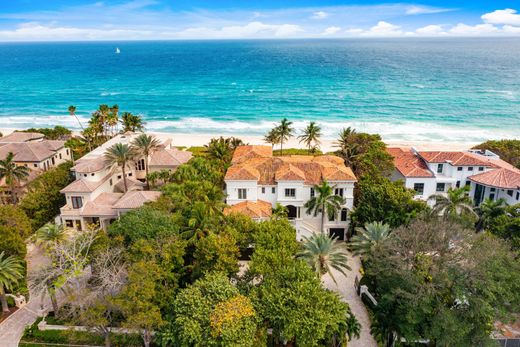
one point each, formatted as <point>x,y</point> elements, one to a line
<point>292,211</point>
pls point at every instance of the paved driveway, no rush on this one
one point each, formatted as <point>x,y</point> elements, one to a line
<point>346,289</point>
<point>11,329</point>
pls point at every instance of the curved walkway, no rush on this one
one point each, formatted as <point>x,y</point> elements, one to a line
<point>347,290</point>
<point>11,329</point>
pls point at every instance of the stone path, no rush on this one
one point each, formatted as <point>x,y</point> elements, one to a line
<point>11,329</point>
<point>346,289</point>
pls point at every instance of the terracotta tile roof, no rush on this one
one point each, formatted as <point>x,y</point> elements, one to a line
<point>169,157</point>
<point>20,136</point>
<point>268,169</point>
<point>84,186</point>
<point>244,153</point>
<point>101,206</point>
<point>409,164</point>
<point>253,209</point>
<point>136,199</point>
<point>88,165</point>
<point>500,178</point>
<point>31,151</point>
<point>131,184</point>
<point>455,158</point>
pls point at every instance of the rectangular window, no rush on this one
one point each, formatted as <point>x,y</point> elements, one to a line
<point>331,218</point>
<point>60,155</point>
<point>440,167</point>
<point>339,192</point>
<point>457,184</point>
<point>242,193</point>
<point>517,195</point>
<point>480,168</point>
<point>470,168</point>
<point>273,190</point>
<point>35,165</point>
<point>459,168</point>
<point>440,187</point>
<point>492,196</point>
<point>67,151</point>
<point>312,193</point>
<point>263,190</point>
<point>510,192</point>
<point>77,202</point>
<point>492,189</point>
<point>69,223</point>
<point>344,215</point>
<point>290,192</point>
<point>468,182</point>
<point>419,188</point>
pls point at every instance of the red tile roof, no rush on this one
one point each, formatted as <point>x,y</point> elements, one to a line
<point>251,163</point>
<point>500,178</point>
<point>253,209</point>
<point>409,164</point>
<point>454,158</point>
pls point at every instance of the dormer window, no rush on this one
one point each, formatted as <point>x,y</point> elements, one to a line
<point>440,168</point>
<point>338,192</point>
<point>470,168</point>
<point>290,192</point>
<point>242,193</point>
<point>77,202</point>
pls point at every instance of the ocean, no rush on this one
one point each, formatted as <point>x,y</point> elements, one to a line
<point>459,90</point>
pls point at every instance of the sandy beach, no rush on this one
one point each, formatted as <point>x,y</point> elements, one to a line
<point>327,144</point>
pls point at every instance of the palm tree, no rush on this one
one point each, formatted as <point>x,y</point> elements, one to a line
<point>454,204</point>
<point>120,155</point>
<point>284,131</point>
<point>220,149</point>
<point>11,270</point>
<point>113,119</point>
<point>272,137</point>
<point>489,210</point>
<point>50,235</point>
<point>12,173</point>
<point>323,253</point>
<point>131,122</point>
<point>144,146</point>
<point>311,135</point>
<point>345,138</point>
<point>279,212</point>
<point>369,238</point>
<point>324,202</point>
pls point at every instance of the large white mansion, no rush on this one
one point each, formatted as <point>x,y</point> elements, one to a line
<point>97,196</point>
<point>430,173</point>
<point>257,181</point>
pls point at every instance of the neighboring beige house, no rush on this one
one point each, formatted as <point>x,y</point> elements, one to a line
<point>34,152</point>
<point>97,195</point>
<point>434,172</point>
<point>257,181</point>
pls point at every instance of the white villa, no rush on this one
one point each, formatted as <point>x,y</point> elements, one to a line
<point>33,151</point>
<point>429,173</point>
<point>97,195</point>
<point>257,181</point>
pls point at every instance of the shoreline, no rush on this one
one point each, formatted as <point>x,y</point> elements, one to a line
<point>327,144</point>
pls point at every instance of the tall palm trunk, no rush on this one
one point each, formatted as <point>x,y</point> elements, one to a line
<point>147,337</point>
<point>124,177</point>
<point>13,192</point>
<point>107,338</point>
<point>323,219</point>
<point>3,299</point>
<point>146,171</point>
<point>281,147</point>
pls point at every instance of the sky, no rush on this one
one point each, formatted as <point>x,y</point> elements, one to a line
<point>84,20</point>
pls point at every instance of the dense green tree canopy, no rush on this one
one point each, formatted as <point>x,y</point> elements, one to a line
<point>43,199</point>
<point>143,223</point>
<point>15,227</point>
<point>385,201</point>
<point>434,280</point>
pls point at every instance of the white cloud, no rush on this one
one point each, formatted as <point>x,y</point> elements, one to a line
<point>474,30</point>
<point>252,29</point>
<point>384,29</point>
<point>319,15</point>
<point>415,10</point>
<point>430,30</point>
<point>507,16</point>
<point>331,31</point>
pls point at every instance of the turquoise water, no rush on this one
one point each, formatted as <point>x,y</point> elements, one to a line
<point>442,89</point>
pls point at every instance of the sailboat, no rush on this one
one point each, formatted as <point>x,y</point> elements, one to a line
<point>117,50</point>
